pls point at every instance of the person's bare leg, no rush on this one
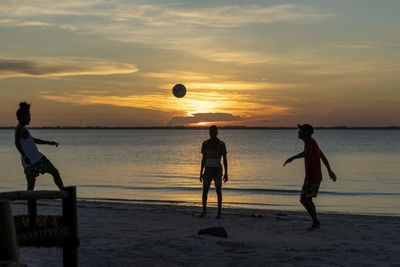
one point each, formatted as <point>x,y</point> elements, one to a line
<point>310,207</point>
<point>30,187</point>
<point>219,195</point>
<point>204,201</point>
<point>31,184</point>
<point>314,210</point>
<point>57,178</point>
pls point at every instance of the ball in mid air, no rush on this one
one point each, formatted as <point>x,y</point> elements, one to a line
<point>179,90</point>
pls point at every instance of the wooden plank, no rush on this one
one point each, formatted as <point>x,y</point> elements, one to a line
<point>41,194</point>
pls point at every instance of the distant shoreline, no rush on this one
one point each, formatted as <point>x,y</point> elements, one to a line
<point>199,128</point>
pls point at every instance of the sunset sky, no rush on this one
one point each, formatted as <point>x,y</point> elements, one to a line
<point>254,63</point>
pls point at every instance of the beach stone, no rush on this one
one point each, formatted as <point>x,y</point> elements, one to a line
<point>215,231</point>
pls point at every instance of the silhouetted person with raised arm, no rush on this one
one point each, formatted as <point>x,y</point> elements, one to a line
<point>213,149</point>
<point>312,160</point>
<point>34,162</point>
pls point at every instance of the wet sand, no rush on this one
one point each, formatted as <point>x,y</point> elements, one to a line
<point>120,234</point>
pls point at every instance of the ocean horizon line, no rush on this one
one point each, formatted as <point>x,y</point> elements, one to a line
<point>229,127</point>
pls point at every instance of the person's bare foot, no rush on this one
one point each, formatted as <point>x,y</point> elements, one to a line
<point>315,226</point>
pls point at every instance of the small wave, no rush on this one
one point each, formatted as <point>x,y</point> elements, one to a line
<point>157,201</point>
<point>135,200</point>
<point>242,190</point>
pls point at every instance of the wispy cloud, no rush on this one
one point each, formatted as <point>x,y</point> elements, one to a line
<point>168,25</point>
<point>368,45</point>
<point>17,23</point>
<point>234,16</point>
<point>201,82</point>
<point>42,67</point>
<point>358,46</point>
<point>168,14</point>
<point>28,23</point>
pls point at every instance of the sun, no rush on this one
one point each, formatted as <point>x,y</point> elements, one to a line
<point>201,123</point>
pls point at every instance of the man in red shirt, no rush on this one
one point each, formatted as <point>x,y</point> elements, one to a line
<point>312,160</point>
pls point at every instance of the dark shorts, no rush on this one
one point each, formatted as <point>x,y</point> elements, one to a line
<point>212,174</point>
<point>310,189</point>
<point>40,167</point>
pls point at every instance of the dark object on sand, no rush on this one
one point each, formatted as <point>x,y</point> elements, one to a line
<point>215,231</point>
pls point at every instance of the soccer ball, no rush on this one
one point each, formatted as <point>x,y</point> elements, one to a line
<point>179,90</point>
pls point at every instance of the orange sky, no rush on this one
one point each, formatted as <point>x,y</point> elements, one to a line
<point>259,63</point>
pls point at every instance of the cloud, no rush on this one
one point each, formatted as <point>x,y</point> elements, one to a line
<point>50,113</point>
<point>42,67</point>
<point>204,117</point>
<point>369,45</point>
<point>202,82</point>
<point>169,14</point>
<point>16,23</point>
<point>6,21</point>
<point>169,25</point>
<point>233,16</point>
<point>206,94</point>
<point>357,46</point>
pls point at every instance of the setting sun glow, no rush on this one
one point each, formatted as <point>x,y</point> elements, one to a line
<point>257,63</point>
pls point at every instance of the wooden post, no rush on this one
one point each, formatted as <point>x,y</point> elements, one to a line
<point>8,239</point>
<point>70,246</point>
<point>32,211</point>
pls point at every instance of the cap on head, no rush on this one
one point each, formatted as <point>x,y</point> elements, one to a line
<point>306,127</point>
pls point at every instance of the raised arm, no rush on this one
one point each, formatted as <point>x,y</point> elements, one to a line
<point>325,161</point>
<point>44,142</point>
<point>298,156</point>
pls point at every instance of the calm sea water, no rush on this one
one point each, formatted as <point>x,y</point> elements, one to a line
<point>164,165</point>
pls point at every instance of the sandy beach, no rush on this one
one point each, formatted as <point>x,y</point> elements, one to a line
<point>119,234</point>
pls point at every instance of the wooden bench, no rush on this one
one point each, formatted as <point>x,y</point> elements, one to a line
<point>34,230</point>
